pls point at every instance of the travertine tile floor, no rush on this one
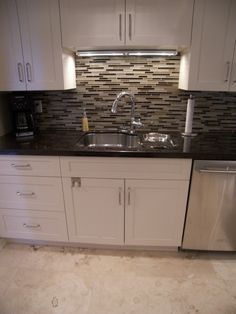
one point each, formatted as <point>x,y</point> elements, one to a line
<point>65,280</point>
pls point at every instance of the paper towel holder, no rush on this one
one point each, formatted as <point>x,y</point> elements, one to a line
<point>189,118</point>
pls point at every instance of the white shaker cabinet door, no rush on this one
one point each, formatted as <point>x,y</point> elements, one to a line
<point>207,66</point>
<point>155,212</point>
<point>92,23</point>
<point>95,210</point>
<point>41,41</point>
<point>159,23</point>
<point>12,76</point>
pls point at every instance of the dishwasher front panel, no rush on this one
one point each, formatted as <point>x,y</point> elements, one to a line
<point>211,215</point>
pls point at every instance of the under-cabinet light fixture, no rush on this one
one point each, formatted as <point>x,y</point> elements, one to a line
<point>138,53</point>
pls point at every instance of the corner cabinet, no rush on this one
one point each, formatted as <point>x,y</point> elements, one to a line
<point>125,201</point>
<point>31,54</point>
<point>97,24</point>
<point>210,64</point>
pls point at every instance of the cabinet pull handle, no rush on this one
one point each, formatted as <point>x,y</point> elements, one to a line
<point>20,72</point>
<point>75,182</point>
<point>234,73</point>
<point>220,171</point>
<point>120,196</point>
<point>130,26</point>
<point>129,196</point>
<point>22,167</point>
<point>28,72</point>
<point>25,194</point>
<point>33,226</point>
<point>120,26</point>
<point>227,71</point>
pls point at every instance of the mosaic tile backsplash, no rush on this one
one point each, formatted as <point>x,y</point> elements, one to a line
<point>154,82</point>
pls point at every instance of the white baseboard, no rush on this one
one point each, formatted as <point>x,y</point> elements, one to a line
<point>93,246</point>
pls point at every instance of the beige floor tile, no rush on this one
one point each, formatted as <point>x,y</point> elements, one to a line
<point>57,280</point>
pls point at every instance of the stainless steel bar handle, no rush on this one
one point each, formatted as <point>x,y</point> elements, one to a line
<point>130,26</point>
<point>223,171</point>
<point>120,26</point>
<point>28,72</point>
<point>36,226</point>
<point>20,72</point>
<point>120,196</point>
<point>227,71</point>
<point>25,193</point>
<point>234,72</point>
<point>129,196</point>
<point>22,167</point>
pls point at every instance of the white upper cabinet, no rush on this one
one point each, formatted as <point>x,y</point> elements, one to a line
<point>159,23</point>
<point>210,64</point>
<point>31,54</point>
<point>92,23</point>
<point>95,24</point>
<point>11,58</point>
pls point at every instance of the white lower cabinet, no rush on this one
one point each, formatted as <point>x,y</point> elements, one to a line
<point>125,210</point>
<point>155,211</point>
<point>33,225</point>
<point>109,201</point>
<point>95,210</point>
<point>31,199</point>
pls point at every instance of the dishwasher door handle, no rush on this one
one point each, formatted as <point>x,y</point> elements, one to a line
<point>223,171</point>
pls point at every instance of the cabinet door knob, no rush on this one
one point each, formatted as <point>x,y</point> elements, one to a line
<point>20,72</point>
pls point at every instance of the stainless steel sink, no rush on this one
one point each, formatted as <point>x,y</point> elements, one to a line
<point>109,140</point>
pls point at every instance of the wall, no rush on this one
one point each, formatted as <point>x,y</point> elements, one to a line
<point>153,81</point>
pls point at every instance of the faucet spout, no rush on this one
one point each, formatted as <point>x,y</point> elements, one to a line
<point>133,123</point>
<point>121,95</point>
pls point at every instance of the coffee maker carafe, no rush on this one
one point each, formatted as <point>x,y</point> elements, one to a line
<point>23,115</point>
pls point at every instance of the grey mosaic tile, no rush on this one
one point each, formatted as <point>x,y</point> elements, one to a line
<point>153,81</point>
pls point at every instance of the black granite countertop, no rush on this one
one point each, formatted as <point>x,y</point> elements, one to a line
<point>215,145</point>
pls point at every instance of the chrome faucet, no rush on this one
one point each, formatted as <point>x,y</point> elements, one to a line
<point>133,122</point>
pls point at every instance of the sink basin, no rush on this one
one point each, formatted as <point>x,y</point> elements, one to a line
<point>109,140</point>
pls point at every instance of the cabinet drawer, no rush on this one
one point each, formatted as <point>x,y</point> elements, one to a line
<point>34,193</point>
<point>30,166</point>
<point>130,168</point>
<point>33,225</point>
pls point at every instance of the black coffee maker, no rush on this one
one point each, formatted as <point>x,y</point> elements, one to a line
<point>23,115</point>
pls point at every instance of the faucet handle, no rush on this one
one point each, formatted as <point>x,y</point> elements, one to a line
<point>136,122</point>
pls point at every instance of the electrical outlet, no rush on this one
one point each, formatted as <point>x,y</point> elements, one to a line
<point>38,106</point>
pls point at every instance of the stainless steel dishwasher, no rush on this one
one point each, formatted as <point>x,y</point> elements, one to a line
<point>211,216</point>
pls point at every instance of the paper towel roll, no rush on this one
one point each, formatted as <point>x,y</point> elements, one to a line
<point>189,115</point>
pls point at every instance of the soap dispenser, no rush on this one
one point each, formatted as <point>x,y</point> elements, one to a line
<point>85,125</point>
